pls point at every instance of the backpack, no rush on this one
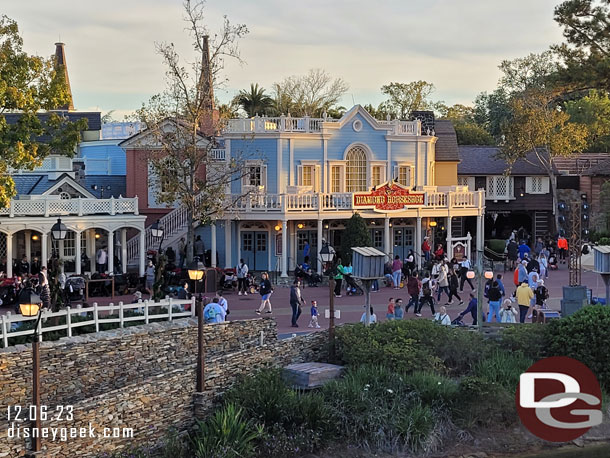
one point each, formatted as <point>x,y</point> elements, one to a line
<point>209,315</point>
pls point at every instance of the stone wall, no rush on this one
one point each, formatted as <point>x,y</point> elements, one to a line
<point>81,367</point>
<point>165,398</point>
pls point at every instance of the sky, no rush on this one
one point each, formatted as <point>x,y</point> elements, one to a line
<point>455,44</point>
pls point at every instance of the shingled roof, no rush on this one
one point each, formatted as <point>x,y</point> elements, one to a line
<point>484,160</point>
<point>446,146</point>
<point>602,168</point>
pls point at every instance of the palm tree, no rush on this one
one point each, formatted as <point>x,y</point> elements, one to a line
<point>255,101</point>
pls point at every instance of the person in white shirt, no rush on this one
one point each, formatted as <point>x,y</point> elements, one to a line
<point>508,313</point>
<point>101,259</point>
<point>373,317</point>
<point>442,317</point>
<point>224,305</point>
<point>242,275</point>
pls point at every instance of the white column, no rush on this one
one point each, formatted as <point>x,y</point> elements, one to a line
<point>228,251</point>
<point>238,241</point>
<point>213,247</point>
<point>386,236</point>
<point>111,251</point>
<point>449,247</point>
<point>77,259</point>
<point>9,255</point>
<point>124,250</point>
<point>284,249</point>
<point>142,251</point>
<point>479,236</point>
<point>44,252</point>
<point>280,189</point>
<point>418,242</point>
<point>389,170</point>
<point>293,245</point>
<point>291,162</point>
<point>28,246</point>
<point>91,249</point>
<point>324,170</point>
<point>319,247</point>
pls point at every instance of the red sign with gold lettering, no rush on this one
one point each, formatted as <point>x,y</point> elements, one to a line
<point>388,197</point>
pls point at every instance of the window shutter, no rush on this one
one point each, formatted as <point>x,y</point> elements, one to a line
<point>395,174</point>
<point>411,176</point>
<point>546,185</point>
<point>471,184</point>
<point>528,185</point>
<point>300,175</point>
<point>489,189</point>
<point>264,176</point>
<point>316,178</point>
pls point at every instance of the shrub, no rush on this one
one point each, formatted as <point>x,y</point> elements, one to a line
<point>583,336</point>
<point>411,345</point>
<point>432,388</point>
<point>503,368</point>
<point>530,339</point>
<point>225,435</point>
<point>484,403</point>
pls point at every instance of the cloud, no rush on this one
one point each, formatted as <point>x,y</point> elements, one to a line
<point>456,45</point>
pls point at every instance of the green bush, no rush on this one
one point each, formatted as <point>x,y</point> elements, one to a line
<point>496,245</point>
<point>411,345</point>
<point>432,388</point>
<point>584,336</point>
<point>484,403</point>
<point>227,434</point>
<point>528,338</point>
<point>503,368</point>
<point>604,241</point>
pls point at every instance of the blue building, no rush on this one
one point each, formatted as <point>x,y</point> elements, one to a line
<point>306,176</point>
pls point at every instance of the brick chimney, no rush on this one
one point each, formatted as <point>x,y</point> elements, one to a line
<point>62,66</point>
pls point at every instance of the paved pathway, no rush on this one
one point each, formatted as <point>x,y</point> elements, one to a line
<point>352,307</point>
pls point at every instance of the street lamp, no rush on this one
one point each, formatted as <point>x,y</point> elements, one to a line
<point>59,231</point>
<point>156,230</point>
<point>30,305</point>
<point>327,254</point>
<point>195,272</point>
<point>488,274</point>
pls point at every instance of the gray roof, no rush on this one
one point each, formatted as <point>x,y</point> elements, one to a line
<point>117,183</point>
<point>32,184</point>
<point>94,119</point>
<point>446,146</point>
<point>484,160</point>
<point>602,168</point>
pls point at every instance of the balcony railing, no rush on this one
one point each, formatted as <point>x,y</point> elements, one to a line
<point>45,206</point>
<point>304,202</point>
<point>262,124</point>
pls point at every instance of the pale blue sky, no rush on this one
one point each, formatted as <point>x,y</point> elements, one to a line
<point>455,44</point>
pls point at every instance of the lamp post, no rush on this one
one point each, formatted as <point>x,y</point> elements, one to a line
<point>488,275</point>
<point>195,271</point>
<point>30,305</point>
<point>327,254</point>
<point>156,230</point>
<point>59,231</point>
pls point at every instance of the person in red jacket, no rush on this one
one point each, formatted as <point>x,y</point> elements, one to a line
<point>439,253</point>
<point>413,287</point>
<point>562,245</point>
<point>426,249</point>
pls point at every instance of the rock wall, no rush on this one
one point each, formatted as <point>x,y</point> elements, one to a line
<point>153,394</point>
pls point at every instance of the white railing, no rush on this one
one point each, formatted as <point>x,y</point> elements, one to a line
<point>51,206</point>
<point>49,164</point>
<point>143,311</point>
<point>218,154</point>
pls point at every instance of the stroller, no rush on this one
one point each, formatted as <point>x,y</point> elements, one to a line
<point>228,279</point>
<point>75,289</point>
<point>351,287</point>
<point>8,292</point>
<point>251,285</point>
<point>312,278</point>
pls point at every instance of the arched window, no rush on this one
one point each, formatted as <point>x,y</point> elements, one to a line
<point>356,169</point>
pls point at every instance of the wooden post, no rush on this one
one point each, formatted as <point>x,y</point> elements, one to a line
<point>69,321</point>
<point>367,301</point>
<point>331,321</point>
<point>36,441</point>
<point>201,350</point>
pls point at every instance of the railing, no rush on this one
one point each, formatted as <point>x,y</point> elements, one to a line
<point>97,315</point>
<point>218,154</point>
<point>262,124</point>
<point>50,207</point>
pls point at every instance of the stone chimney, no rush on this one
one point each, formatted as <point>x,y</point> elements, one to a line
<point>62,66</point>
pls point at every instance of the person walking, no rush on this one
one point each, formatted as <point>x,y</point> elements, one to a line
<point>265,291</point>
<point>413,289</point>
<point>398,311</point>
<point>198,248</point>
<point>396,272</point>
<point>426,297</point>
<point>524,296</point>
<point>524,250</point>
<point>471,308</point>
<point>495,297</point>
<point>512,252</point>
<point>101,258</point>
<point>443,283</point>
<point>453,287</point>
<point>339,278</point>
<point>45,291</point>
<point>543,261</point>
<point>562,246</point>
<point>442,317</point>
<point>501,284</point>
<point>242,275</point>
<point>313,323</point>
<point>149,278</point>
<point>465,266</point>
<point>296,300</point>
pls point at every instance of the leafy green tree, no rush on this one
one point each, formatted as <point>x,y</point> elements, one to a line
<point>537,126</point>
<point>29,84</point>
<point>467,130</point>
<point>255,101</point>
<point>491,111</point>
<point>403,98</point>
<point>356,234</point>
<point>593,111</point>
<point>586,52</point>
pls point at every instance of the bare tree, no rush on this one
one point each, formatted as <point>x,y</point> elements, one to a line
<point>310,94</point>
<point>185,123</point>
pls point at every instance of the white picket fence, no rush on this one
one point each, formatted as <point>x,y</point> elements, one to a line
<point>146,311</point>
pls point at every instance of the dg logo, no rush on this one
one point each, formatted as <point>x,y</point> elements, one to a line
<point>559,399</point>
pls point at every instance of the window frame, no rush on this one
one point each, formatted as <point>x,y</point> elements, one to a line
<point>510,188</point>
